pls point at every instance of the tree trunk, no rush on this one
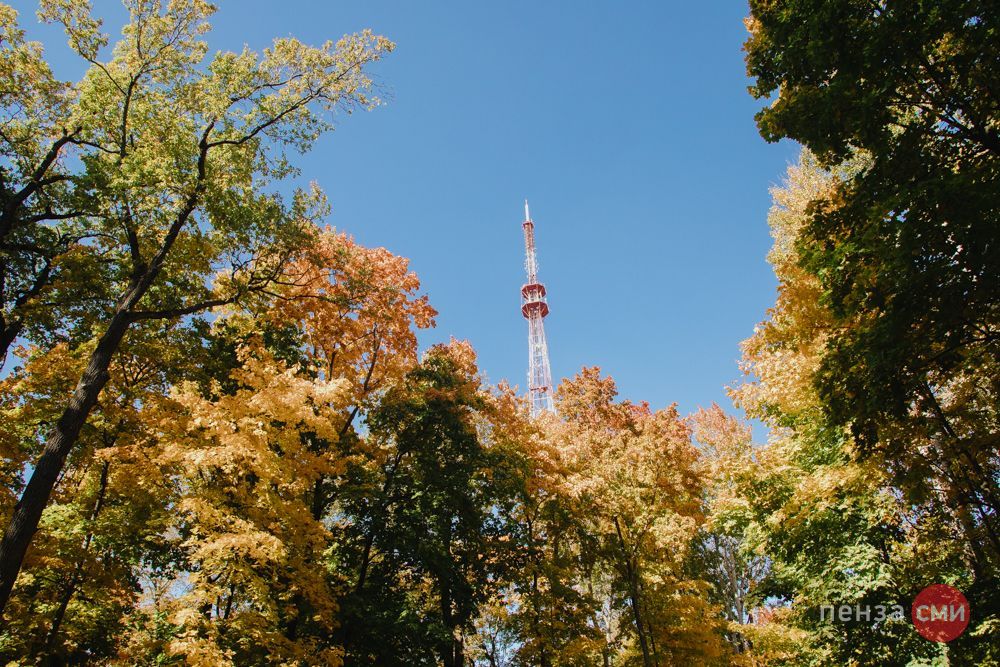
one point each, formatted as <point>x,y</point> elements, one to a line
<point>536,620</point>
<point>448,649</point>
<point>633,582</point>
<point>8,334</point>
<point>74,580</point>
<point>458,649</point>
<point>28,510</point>
<point>11,328</point>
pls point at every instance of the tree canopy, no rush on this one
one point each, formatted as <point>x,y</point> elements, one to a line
<point>222,444</point>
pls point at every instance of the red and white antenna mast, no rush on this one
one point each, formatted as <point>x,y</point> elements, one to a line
<point>534,307</point>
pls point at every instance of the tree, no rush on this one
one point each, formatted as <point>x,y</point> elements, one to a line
<point>431,538</point>
<point>837,527</point>
<point>245,463</point>
<point>633,475</point>
<point>905,249</point>
<point>355,310</point>
<point>175,155</point>
<point>723,554</point>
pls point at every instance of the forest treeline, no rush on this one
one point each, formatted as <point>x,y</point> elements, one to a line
<point>220,444</point>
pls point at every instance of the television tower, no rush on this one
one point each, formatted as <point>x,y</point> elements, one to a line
<point>534,307</point>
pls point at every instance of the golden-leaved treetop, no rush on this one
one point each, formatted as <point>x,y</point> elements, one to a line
<point>246,464</point>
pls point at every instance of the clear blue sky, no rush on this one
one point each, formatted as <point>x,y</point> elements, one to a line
<point>626,124</point>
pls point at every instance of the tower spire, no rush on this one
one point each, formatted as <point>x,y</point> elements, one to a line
<point>535,307</point>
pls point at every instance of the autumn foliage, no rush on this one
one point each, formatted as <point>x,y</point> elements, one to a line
<point>221,443</point>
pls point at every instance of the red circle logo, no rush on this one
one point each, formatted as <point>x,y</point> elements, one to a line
<point>940,613</point>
